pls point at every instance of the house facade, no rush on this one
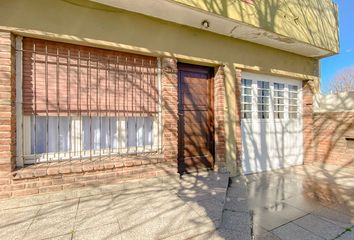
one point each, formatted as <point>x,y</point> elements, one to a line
<point>101,91</point>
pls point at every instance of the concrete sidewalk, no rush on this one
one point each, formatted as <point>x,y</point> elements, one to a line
<point>303,203</point>
<point>164,208</point>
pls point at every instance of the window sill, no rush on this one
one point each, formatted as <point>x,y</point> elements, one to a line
<point>84,165</point>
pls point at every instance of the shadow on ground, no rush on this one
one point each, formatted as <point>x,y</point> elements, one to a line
<point>164,208</point>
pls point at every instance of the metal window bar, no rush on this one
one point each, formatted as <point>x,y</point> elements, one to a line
<point>125,79</point>
<point>57,98</point>
<point>35,100</point>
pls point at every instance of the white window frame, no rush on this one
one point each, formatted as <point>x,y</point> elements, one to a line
<point>273,79</point>
<point>246,95</point>
<point>276,104</point>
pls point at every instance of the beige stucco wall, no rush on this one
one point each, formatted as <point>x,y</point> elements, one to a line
<point>310,21</point>
<point>96,25</point>
<point>340,102</point>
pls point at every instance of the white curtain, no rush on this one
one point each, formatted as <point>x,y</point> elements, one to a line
<point>58,134</point>
<point>99,133</point>
<point>139,131</point>
<point>96,133</point>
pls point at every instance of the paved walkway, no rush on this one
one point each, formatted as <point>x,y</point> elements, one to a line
<point>299,203</point>
<point>303,203</point>
<point>165,208</point>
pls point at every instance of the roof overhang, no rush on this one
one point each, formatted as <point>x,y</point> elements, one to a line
<point>193,17</point>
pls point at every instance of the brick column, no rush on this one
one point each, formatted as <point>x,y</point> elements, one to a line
<point>238,136</point>
<point>7,106</point>
<point>170,109</point>
<point>308,121</point>
<point>219,119</point>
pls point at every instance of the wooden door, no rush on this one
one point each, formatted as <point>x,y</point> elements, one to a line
<point>195,143</point>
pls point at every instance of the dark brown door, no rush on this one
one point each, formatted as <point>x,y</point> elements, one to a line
<point>195,143</point>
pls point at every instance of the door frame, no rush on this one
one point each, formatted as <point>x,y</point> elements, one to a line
<point>198,69</point>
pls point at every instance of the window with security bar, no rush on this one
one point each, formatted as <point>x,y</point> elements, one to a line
<point>81,102</point>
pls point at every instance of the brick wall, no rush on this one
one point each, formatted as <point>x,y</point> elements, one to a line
<point>170,109</point>
<point>50,177</point>
<point>309,150</point>
<point>7,106</point>
<point>238,132</point>
<point>325,133</point>
<point>219,118</point>
<point>46,178</point>
<point>331,130</point>
<point>59,78</point>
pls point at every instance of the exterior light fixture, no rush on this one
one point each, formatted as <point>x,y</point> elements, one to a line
<point>205,24</point>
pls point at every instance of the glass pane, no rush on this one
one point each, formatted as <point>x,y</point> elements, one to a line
<point>246,82</point>
<point>91,133</point>
<point>55,138</point>
<point>293,88</point>
<point>38,135</point>
<point>263,84</point>
<point>263,100</point>
<point>246,115</point>
<point>263,115</point>
<point>292,108</point>
<point>263,107</point>
<point>279,101</point>
<point>292,115</point>
<point>247,91</point>
<point>279,108</point>
<point>278,86</point>
<point>293,101</point>
<point>64,134</point>
<point>292,95</point>
<point>278,94</point>
<point>247,99</point>
<point>139,131</point>
<point>247,107</point>
<point>279,115</point>
<point>99,133</point>
<point>264,93</point>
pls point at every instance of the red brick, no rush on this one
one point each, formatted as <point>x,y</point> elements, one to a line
<point>73,185</point>
<point>25,192</point>
<point>4,194</point>
<point>4,181</point>
<point>18,186</point>
<point>40,172</point>
<point>53,171</point>
<point>65,169</point>
<point>54,188</point>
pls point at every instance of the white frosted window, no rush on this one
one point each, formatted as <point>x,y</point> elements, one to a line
<point>139,131</point>
<point>50,134</point>
<point>99,133</point>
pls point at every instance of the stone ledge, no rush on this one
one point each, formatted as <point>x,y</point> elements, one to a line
<point>84,165</point>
